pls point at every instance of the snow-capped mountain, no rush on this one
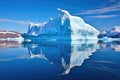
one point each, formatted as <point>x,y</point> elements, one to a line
<point>102,34</point>
<point>113,33</point>
<point>63,27</point>
<point>10,36</point>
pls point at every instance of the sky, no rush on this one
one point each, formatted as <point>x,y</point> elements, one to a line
<point>17,14</point>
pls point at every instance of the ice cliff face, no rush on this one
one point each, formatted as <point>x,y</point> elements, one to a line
<point>65,26</point>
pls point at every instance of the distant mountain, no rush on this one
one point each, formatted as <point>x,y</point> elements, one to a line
<point>113,33</point>
<point>63,27</point>
<point>10,35</point>
<point>102,34</point>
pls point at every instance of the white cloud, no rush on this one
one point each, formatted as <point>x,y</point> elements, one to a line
<point>102,16</point>
<point>15,21</point>
<point>113,8</point>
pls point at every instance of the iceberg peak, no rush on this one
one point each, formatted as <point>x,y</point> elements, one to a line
<point>63,11</point>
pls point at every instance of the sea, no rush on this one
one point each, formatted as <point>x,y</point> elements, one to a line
<point>60,60</point>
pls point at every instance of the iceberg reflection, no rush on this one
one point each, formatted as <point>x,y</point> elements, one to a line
<point>65,55</point>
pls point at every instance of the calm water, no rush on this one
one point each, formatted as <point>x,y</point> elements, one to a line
<point>80,60</point>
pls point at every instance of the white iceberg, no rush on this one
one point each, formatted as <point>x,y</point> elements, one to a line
<point>63,27</point>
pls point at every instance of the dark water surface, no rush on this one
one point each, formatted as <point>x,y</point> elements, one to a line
<point>77,60</point>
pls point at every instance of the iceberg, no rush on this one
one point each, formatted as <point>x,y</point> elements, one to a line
<point>63,27</point>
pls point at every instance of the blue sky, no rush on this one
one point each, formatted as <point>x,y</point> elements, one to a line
<point>17,14</point>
